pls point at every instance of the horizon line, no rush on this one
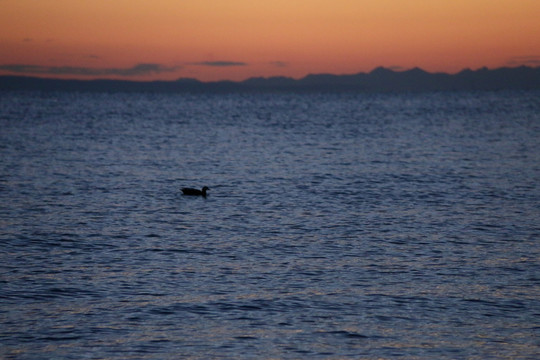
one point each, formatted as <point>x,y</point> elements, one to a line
<point>18,71</point>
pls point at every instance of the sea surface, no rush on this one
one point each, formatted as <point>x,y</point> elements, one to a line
<point>337,226</point>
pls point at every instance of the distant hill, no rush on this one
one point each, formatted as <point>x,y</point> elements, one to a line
<point>378,80</point>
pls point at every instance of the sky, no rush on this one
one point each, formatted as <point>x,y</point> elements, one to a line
<point>237,39</point>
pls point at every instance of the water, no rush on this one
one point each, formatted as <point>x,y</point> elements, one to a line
<point>337,226</point>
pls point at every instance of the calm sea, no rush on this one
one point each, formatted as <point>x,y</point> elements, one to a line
<point>336,226</point>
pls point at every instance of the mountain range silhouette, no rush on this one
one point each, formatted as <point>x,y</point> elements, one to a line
<point>379,80</point>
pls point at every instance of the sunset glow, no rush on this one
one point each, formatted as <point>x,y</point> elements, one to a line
<point>238,39</point>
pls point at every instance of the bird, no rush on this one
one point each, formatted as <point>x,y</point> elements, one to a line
<point>195,192</point>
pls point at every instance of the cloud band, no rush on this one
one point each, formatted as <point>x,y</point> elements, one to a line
<point>137,70</point>
<point>532,60</point>
<point>220,63</point>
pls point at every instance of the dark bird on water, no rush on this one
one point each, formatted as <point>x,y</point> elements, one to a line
<point>195,192</point>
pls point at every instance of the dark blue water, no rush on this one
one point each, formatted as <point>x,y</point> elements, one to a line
<point>337,226</point>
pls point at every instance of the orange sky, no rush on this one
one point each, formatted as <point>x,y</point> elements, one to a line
<point>238,39</point>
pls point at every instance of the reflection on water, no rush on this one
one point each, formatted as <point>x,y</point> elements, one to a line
<point>337,226</point>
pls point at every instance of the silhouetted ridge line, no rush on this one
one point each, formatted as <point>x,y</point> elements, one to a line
<point>379,80</point>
